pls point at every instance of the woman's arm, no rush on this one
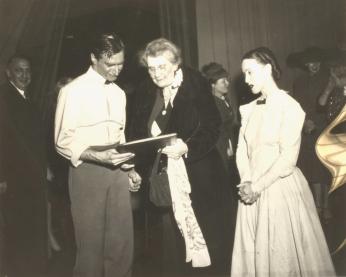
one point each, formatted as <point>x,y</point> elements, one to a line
<point>289,144</point>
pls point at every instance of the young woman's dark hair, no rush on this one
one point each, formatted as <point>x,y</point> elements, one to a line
<point>265,56</point>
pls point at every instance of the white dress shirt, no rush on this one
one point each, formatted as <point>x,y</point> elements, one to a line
<point>89,112</point>
<point>21,92</point>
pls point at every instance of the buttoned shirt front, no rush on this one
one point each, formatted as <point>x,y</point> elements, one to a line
<point>89,112</point>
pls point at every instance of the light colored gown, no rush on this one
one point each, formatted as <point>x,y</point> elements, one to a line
<point>280,234</point>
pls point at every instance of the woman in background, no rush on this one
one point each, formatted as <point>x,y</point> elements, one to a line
<point>278,232</point>
<point>227,106</point>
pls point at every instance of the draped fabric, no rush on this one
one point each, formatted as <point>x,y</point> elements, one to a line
<point>34,28</point>
<point>13,17</point>
<point>178,24</point>
<point>227,29</point>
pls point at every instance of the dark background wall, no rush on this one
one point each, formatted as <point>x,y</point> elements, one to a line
<point>229,28</point>
<point>135,21</point>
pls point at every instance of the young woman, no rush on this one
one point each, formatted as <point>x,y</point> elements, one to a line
<point>278,232</point>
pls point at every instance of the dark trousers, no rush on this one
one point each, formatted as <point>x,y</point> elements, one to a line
<point>26,232</point>
<point>102,217</point>
<point>2,241</point>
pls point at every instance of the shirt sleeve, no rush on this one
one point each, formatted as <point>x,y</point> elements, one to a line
<point>289,144</point>
<point>66,124</point>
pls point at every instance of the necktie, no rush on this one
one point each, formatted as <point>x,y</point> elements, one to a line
<point>226,101</point>
<point>107,82</point>
<point>163,117</point>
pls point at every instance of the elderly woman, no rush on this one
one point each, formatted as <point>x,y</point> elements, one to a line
<point>278,230</point>
<point>183,95</point>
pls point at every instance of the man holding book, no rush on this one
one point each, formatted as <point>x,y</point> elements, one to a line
<point>91,111</point>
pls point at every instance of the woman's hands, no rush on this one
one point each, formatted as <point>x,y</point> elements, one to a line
<point>176,150</point>
<point>247,195</point>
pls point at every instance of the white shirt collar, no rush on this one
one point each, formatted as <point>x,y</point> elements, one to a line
<point>95,76</point>
<point>21,92</point>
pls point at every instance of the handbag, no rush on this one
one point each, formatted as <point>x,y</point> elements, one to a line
<point>159,191</point>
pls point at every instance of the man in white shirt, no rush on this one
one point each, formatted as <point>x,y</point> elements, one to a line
<point>91,111</point>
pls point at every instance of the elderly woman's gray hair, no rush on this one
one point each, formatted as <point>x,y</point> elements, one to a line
<point>159,47</point>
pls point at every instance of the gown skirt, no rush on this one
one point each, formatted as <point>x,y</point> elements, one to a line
<point>280,234</point>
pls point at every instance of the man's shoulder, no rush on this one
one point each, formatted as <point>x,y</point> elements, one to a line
<point>6,91</point>
<point>77,84</point>
<point>4,87</point>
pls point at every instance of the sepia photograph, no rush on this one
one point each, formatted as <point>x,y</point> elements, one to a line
<point>172,138</point>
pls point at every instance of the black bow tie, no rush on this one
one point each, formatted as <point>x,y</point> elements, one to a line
<point>107,82</point>
<point>261,101</point>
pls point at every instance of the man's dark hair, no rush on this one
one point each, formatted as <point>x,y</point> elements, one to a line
<point>107,44</point>
<point>17,56</point>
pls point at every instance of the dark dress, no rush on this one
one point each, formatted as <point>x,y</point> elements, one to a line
<point>196,121</point>
<point>306,91</point>
<point>25,204</point>
<point>336,102</point>
<point>228,132</point>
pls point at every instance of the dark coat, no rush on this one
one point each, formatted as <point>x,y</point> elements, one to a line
<point>25,173</point>
<point>196,121</point>
<point>306,90</point>
<point>228,129</point>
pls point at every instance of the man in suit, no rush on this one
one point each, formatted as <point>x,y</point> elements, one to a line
<point>23,158</point>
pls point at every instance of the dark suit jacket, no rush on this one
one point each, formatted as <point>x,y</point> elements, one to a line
<point>196,120</point>
<point>23,140</point>
<point>25,200</point>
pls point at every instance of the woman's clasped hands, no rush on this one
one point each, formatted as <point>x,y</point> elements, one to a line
<point>246,193</point>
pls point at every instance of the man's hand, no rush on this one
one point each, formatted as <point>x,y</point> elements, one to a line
<point>134,180</point>
<point>108,157</point>
<point>3,187</point>
<point>114,158</point>
<point>176,150</point>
